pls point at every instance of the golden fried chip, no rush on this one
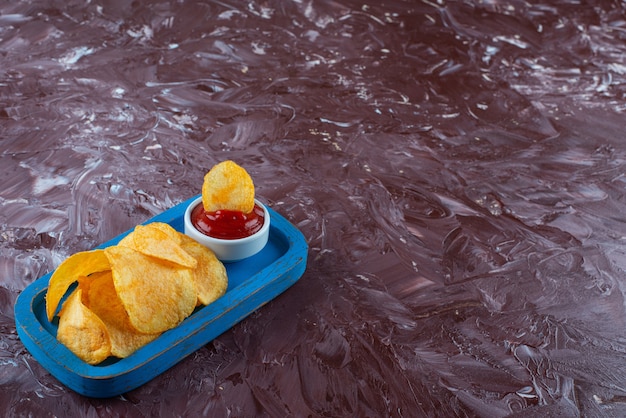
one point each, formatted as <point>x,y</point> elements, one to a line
<point>127,241</point>
<point>84,284</point>
<point>210,275</point>
<point>79,264</point>
<point>151,240</point>
<point>82,331</point>
<point>103,300</point>
<point>167,228</point>
<point>156,295</point>
<point>228,186</point>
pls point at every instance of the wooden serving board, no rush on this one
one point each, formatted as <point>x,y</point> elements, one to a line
<point>252,283</point>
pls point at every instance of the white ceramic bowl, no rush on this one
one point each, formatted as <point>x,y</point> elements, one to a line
<point>229,250</point>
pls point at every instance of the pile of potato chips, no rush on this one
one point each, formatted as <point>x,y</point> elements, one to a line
<point>153,279</point>
<point>130,293</point>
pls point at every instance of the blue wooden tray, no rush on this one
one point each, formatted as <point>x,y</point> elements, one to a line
<point>252,283</point>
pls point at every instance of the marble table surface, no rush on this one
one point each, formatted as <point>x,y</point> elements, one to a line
<point>456,167</point>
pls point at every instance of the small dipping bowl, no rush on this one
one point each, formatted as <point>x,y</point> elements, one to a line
<point>229,250</point>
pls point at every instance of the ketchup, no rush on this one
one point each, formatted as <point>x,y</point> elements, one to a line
<point>227,224</point>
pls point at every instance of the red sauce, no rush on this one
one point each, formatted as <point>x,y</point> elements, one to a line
<point>227,224</point>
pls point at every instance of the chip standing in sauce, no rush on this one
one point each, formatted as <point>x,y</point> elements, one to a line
<point>226,218</point>
<point>228,224</point>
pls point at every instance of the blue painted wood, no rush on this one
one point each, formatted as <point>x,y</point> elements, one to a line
<point>252,283</point>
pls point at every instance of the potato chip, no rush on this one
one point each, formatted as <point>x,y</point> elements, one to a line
<point>103,301</point>
<point>228,186</point>
<point>82,331</point>
<point>210,275</point>
<point>151,240</point>
<point>79,264</point>
<point>84,284</point>
<point>156,295</point>
<point>127,241</point>
<point>167,228</point>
